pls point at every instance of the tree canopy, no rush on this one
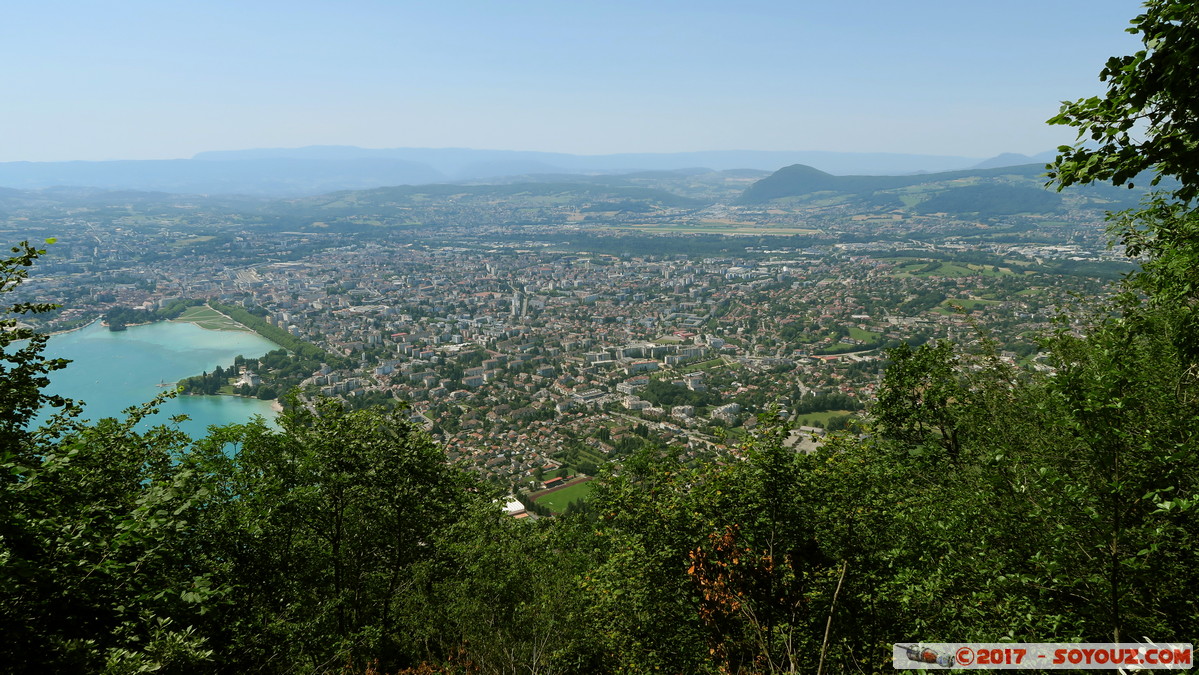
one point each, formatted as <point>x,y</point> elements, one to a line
<point>1149,118</point>
<point>1148,121</point>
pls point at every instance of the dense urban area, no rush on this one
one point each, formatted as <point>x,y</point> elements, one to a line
<point>540,335</point>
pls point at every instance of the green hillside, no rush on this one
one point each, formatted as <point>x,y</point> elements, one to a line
<point>798,180</point>
<point>999,200</point>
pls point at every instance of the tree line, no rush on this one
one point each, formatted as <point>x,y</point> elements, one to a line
<point>118,318</point>
<point>271,332</point>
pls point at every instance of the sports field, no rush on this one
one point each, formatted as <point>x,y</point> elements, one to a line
<point>558,500</point>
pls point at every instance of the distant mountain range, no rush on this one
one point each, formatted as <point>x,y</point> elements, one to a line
<point>320,169</point>
<point>1014,159</point>
<point>971,193</point>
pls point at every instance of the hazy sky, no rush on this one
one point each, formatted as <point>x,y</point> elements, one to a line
<point>126,79</point>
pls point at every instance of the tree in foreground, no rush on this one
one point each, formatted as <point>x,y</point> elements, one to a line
<point>91,522</point>
<point>1146,127</point>
<point>23,368</point>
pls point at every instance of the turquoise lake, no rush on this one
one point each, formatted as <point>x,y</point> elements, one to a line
<point>111,371</point>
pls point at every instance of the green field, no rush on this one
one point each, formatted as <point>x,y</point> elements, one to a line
<point>863,335</point>
<point>991,270</point>
<point>207,317</point>
<point>967,304</point>
<point>839,348</point>
<point>811,419</point>
<point>709,365</point>
<point>559,500</point>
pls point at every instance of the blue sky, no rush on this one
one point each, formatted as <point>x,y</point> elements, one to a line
<point>166,79</point>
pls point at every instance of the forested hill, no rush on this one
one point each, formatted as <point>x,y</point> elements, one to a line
<point>998,200</point>
<point>979,193</point>
<point>798,180</point>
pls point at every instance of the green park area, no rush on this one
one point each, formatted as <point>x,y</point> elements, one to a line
<point>952,305</point>
<point>707,366</point>
<point>819,419</point>
<point>207,317</point>
<point>558,500</point>
<point>908,267</point>
<point>863,335</point>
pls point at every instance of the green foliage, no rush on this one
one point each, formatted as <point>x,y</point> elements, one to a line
<point>811,403</point>
<point>23,369</point>
<point>921,398</point>
<point>663,393</point>
<point>1166,234</point>
<point>314,530</point>
<point>207,383</point>
<point>271,332</point>
<point>118,318</point>
<point>1147,119</point>
<point>503,595</point>
<point>639,601</point>
<point>1126,406</point>
<point>992,200</point>
<point>93,560</point>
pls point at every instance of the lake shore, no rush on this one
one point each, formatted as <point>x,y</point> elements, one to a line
<point>115,370</point>
<point>276,404</point>
<point>195,316</point>
<point>72,330</point>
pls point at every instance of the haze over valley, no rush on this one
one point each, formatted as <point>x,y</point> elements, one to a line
<point>306,171</point>
<point>554,294</point>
